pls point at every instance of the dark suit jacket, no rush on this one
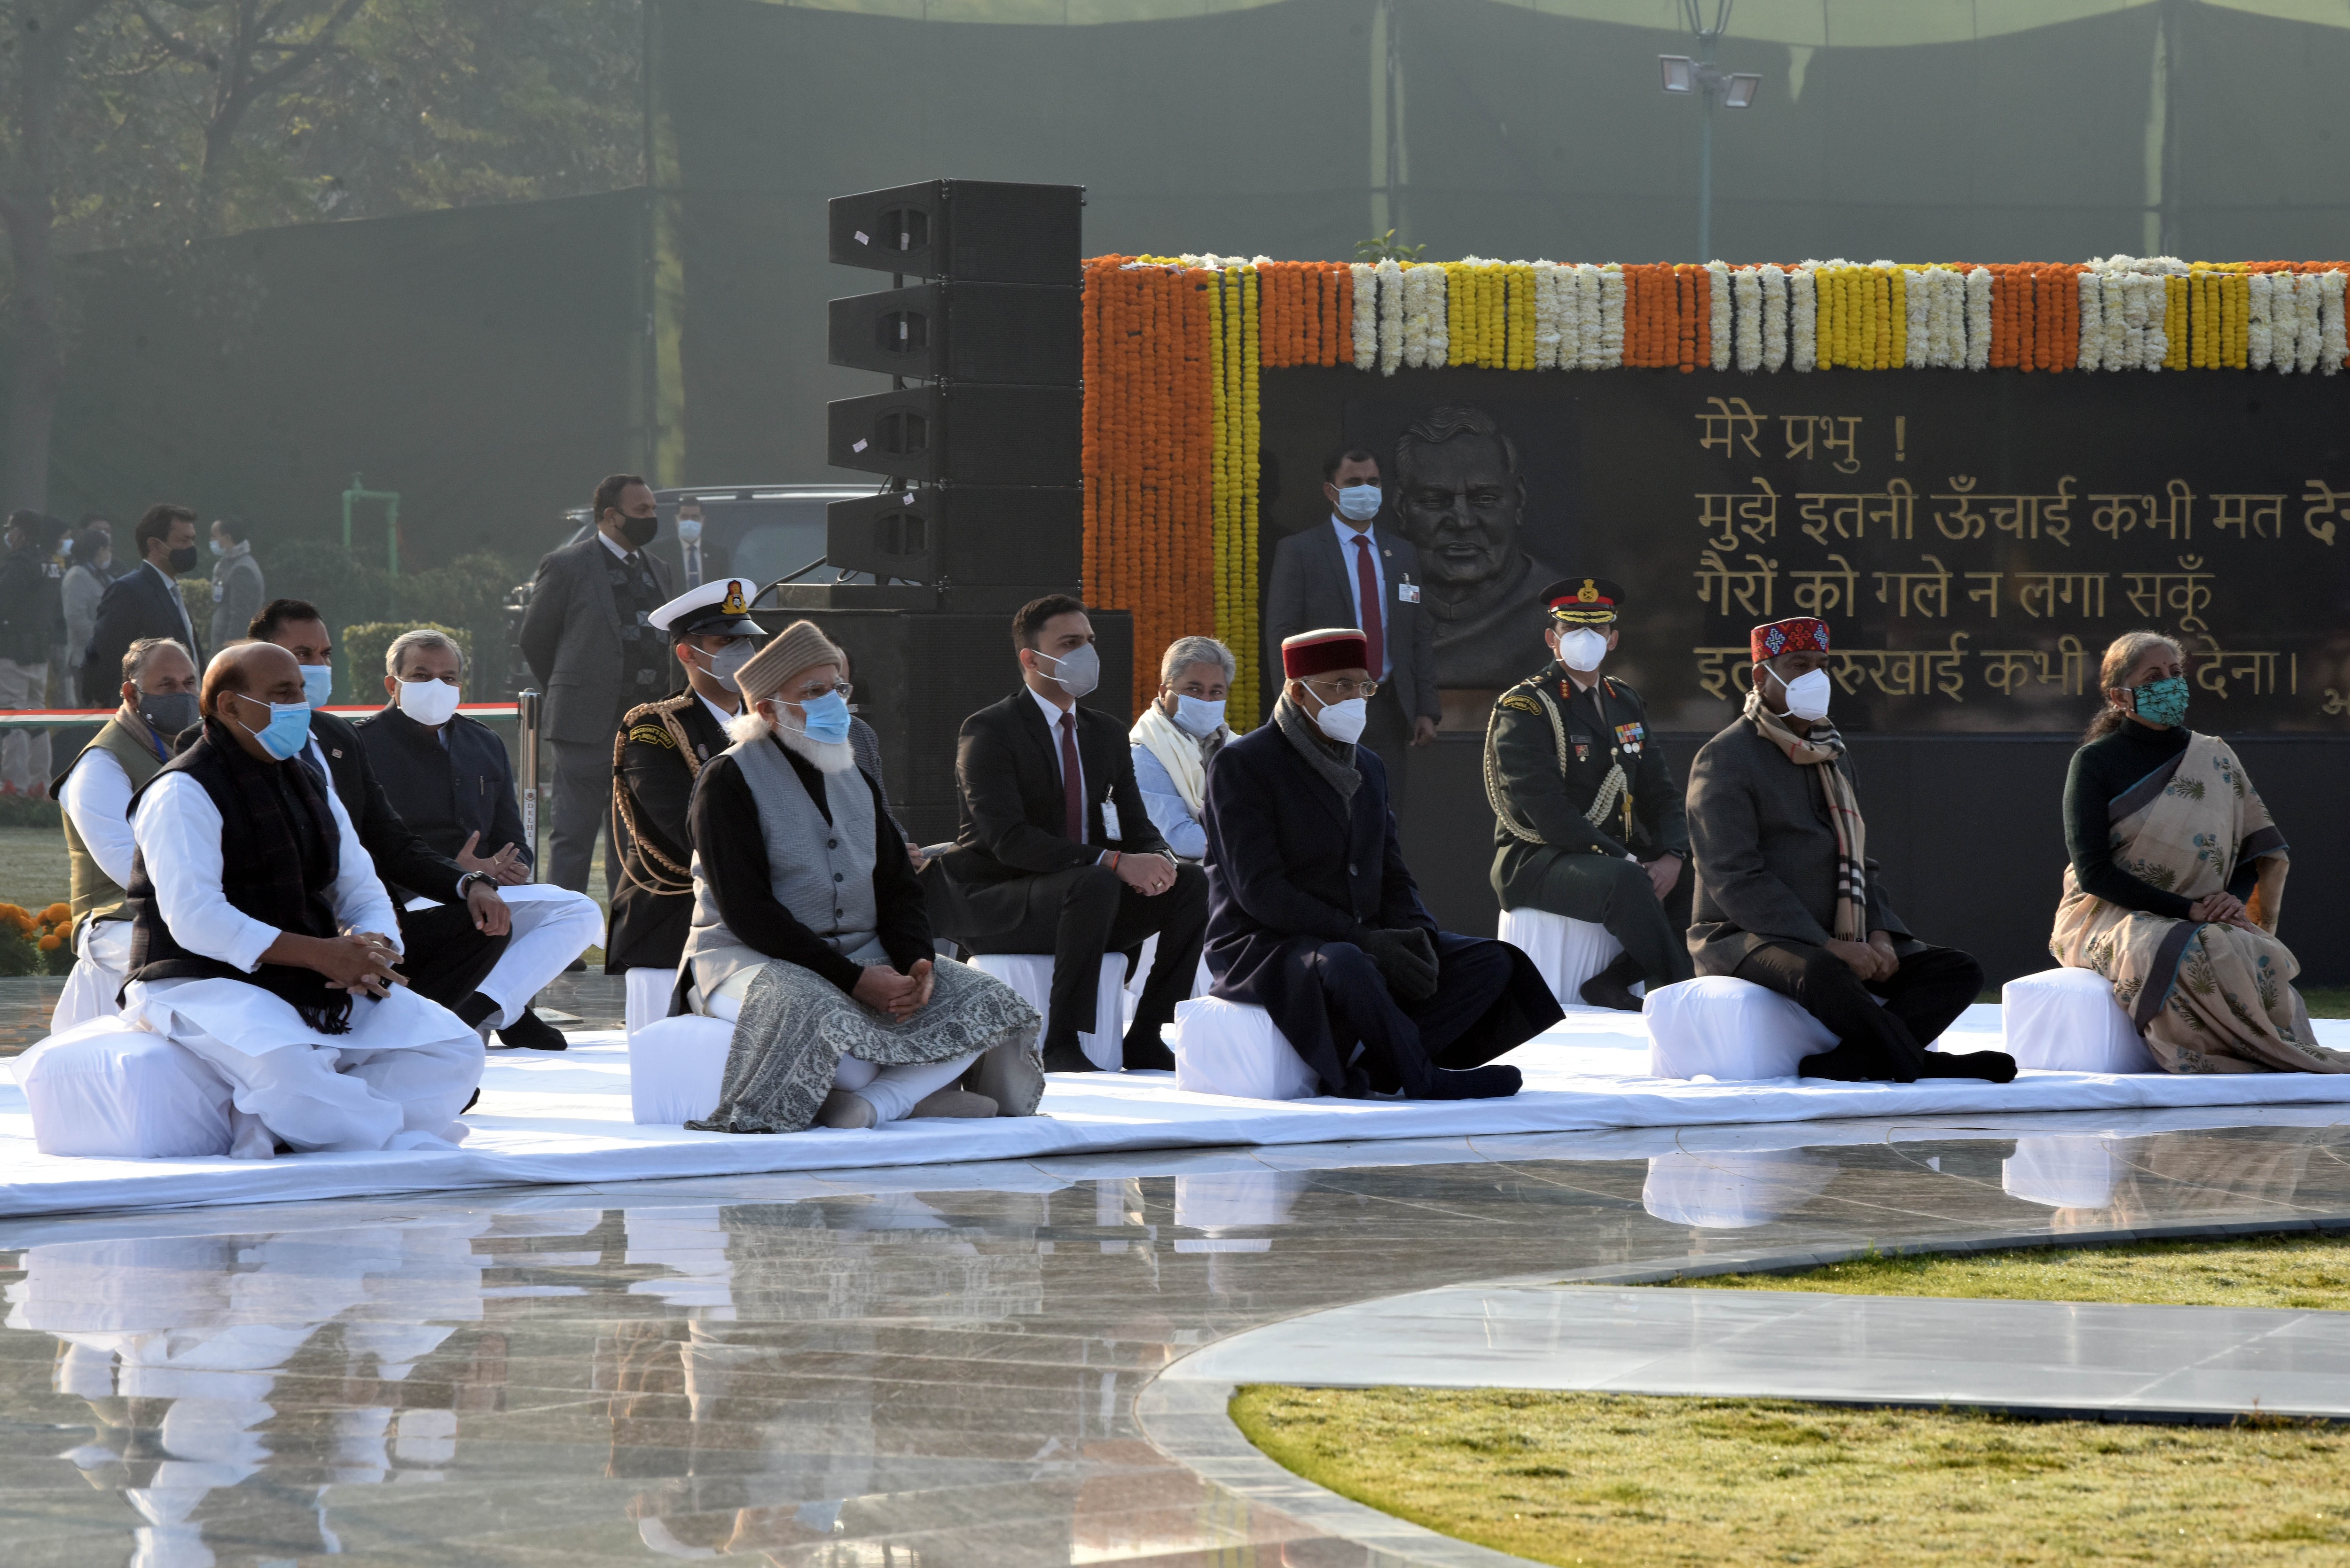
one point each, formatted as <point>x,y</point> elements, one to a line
<point>1289,868</point>
<point>1313,586</point>
<point>402,859</point>
<point>1008,787</point>
<point>135,605</point>
<point>571,635</point>
<point>446,794</point>
<point>1764,852</point>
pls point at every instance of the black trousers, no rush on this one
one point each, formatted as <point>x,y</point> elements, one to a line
<point>1401,1041</point>
<point>1078,916</point>
<point>442,955</point>
<point>1386,730</point>
<point>1924,997</point>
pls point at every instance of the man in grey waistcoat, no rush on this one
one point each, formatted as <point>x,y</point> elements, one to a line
<point>595,656</point>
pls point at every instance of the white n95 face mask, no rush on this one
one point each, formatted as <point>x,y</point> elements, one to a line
<point>1807,695</point>
<point>1359,503</point>
<point>1343,722</point>
<point>428,702</point>
<point>1077,672</point>
<point>1581,650</point>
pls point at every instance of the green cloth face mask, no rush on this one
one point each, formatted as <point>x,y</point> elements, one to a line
<point>2163,701</point>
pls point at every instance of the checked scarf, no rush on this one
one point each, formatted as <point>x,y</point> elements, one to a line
<point>1822,749</point>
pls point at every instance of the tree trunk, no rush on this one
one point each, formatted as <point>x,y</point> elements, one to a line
<point>43,33</point>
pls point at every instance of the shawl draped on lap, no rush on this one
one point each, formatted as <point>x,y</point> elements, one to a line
<point>2208,998</point>
<point>797,1025</point>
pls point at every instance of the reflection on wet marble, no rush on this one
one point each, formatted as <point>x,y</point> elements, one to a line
<point>903,1366</point>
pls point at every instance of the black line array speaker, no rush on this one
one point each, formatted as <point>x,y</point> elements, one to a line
<point>919,674</point>
<point>965,535</point>
<point>1022,333</point>
<point>967,432</point>
<point>980,231</point>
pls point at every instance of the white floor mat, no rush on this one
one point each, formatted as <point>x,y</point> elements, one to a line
<point>547,1118</point>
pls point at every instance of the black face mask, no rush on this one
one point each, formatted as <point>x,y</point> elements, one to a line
<point>639,531</point>
<point>168,712</point>
<point>183,559</point>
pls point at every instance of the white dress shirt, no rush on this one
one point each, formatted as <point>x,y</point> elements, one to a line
<point>178,830</point>
<point>1346,537</point>
<point>1053,715</point>
<point>97,797</point>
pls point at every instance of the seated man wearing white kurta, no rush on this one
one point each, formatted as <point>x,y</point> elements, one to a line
<point>810,934</point>
<point>259,937</point>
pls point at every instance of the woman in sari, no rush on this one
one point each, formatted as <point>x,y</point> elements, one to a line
<point>2177,871</point>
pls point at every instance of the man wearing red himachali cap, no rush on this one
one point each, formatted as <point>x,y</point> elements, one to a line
<point>1787,896</point>
<point>1314,917</point>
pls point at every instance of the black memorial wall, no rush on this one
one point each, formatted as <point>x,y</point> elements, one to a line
<point>1973,540</point>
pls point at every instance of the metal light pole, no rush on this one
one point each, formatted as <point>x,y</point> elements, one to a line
<point>1685,75</point>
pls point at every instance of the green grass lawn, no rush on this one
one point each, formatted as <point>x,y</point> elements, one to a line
<point>1642,1482</point>
<point>1638,1481</point>
<point>2254,1272</point>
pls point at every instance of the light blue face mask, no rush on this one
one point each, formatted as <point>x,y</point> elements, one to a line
<point>1197,716</point>
<point>317,684</point>
<point>1359,503</point>
<point>288,731</point>
<point>826,719</point>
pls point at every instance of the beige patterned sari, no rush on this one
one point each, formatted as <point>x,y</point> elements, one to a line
<point>2208,998</point>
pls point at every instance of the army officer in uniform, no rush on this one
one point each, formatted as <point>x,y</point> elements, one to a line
<point>1587,813</point>
<point>656,757</point>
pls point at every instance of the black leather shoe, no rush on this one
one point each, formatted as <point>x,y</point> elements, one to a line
<point>1991,1066</point>
<point>1144,1051</point>
<point>1487,1082</point>
<point>533,1033</point>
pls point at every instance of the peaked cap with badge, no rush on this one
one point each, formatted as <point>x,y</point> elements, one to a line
<point>1576,786</point>
<point>720,609</point>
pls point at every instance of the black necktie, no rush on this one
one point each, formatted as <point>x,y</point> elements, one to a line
<point>309,755</point>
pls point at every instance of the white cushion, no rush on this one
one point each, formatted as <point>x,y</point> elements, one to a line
<point>1031,974</point>
<point>109,1091</point>
<point>1230,1048</point>
<point>2061,1170</point>
<point>1721,1027</point>
<point>2066,1021</point>
<point>1202,980</point>
<point>676,1066</point>
<point>649,994</point>
<point>1567,953</point>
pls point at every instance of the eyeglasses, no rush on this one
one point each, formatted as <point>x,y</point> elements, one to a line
<point>1346,690</point>
<point>814,693</point>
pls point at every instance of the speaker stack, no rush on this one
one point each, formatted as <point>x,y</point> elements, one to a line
<point>979,505</point>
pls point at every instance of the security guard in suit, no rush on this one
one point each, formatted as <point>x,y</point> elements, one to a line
<point>1587,814</point>
<point>656,757</point>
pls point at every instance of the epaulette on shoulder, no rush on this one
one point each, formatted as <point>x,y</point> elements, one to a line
<point>653,710</point>
<point>1623,688</point>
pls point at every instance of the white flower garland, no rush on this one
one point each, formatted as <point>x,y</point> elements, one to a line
<point>1804,326</point>
<point>1610,352</point>
<point>1547,316</point>
<point>1917,308</point>
<point>1775,316</point>
<point>1723,323</point>
<point>1391,317</point>
<point>2152,297</point>
<point>1423,316</point>
<point>1367,314</point>
<point>2331,345</point>
<point>2261,293</point>
<point>1747,287</point>
<point>1978,318</point>
<point>2092,321</point>
<point>2306,310</point>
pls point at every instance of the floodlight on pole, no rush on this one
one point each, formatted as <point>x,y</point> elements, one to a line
<point>1684,75</point>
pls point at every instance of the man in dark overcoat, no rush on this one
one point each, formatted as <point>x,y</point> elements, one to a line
<point>1788,896</point>
<point>1314,918</point>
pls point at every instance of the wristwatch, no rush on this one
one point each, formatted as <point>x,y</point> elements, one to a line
<point>469,877</point>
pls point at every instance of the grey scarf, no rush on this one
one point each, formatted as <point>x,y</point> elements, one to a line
<point>1332,760</point>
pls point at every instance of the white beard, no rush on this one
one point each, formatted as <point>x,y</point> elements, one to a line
<point>825,756</point>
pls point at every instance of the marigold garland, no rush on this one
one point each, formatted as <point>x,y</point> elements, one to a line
<point>1174,348</point>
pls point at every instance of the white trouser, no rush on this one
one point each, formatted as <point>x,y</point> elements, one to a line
<point>892,1092</point>
<point>101,958</point>
<point>25,753</point>
<point>552,926</point>
<point>396,1081</point>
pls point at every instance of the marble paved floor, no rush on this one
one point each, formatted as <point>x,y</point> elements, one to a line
<point>2086,1358</point>
<point>936,1365</point>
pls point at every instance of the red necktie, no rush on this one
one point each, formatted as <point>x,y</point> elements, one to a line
<point>1366,585</point>
<point>1073,784</point>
